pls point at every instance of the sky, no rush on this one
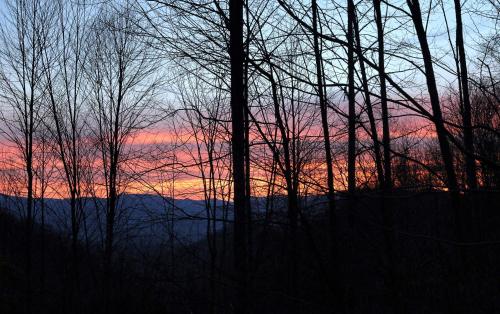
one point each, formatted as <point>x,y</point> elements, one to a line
<point>160,137</point>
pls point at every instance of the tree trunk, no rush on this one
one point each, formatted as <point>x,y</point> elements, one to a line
<point>320,78</point>
<point>291,191</point>
<point>386,139</point>
<point>236,53</point>
<point>351,150</point>
<point>470,164</point>
<point>386,204</point>
<point>29,123</point>
<point>451,179</point>
<point>456,274</point>
<point>29,227</point>
<point>369,108</point>
<point>108,246</point>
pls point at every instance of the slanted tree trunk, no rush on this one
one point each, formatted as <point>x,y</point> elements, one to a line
<point>416,15</point>
<point>386,138</point>
<point>437,116</point>
<point>455,275</point>
<point>470,164</point>
<point>369,108</point>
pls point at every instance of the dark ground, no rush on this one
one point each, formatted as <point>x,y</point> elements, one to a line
<point>417,266</point>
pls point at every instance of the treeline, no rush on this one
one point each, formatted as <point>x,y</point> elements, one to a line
<point>229,101</point>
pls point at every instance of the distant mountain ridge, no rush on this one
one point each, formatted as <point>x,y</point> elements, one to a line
<point>135,213</point>
<point>144,219</point>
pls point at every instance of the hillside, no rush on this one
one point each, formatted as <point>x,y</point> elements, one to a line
<point>418,277</point>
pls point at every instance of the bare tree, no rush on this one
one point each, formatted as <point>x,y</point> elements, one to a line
<point>121,74</point>
<point>23,38</point>
<point>63,63</point>
<point>204,113</point>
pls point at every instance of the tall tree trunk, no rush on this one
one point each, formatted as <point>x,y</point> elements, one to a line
<point>320,79</point>
<point>73,291</point>
<point>111,204</point>
<point>247,149</point>
<point>386,139</point>
<point>42,249</point>
<point>29,226</point>
<point>29,124</point>
<point>236,53</point>
<point>351,150</point>
<point>108,249</point>
<point>386,204</point>
<point>75,206</point>
<point>470,164</point>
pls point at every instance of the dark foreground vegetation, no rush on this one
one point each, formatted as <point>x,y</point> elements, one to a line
<point>416,266</point>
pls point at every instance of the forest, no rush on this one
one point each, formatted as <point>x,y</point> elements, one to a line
<point>249,156</point>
